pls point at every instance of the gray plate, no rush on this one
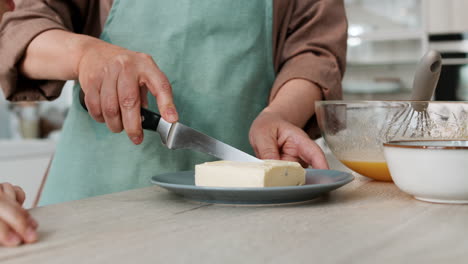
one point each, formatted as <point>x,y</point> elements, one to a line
<point>318,182</point>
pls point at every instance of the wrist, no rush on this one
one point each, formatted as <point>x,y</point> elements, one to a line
<point>295,101</point>
<point>80,45</point>
<point>273,111</point>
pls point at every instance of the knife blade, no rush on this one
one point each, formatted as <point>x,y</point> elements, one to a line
<point>179,136</point>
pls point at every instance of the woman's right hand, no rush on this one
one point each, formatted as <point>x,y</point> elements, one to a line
<point>16,224</point>
<point>116,81</point>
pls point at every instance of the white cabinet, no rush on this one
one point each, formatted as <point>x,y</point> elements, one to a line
<point>385,32</point>
<point>386,39</point>
<point>446,16</point>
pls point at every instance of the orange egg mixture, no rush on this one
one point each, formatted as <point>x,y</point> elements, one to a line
<point>376,170</point>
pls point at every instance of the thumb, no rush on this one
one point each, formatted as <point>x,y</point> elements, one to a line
<point>311,153</point>
<point>266,147</point>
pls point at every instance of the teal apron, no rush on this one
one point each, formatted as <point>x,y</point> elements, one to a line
<point>217,55</point>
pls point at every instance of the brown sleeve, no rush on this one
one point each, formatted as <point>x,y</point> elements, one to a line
<point>31,18</point>
<point>310,43</point>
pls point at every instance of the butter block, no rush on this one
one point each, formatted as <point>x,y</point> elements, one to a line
<point>249,174</point>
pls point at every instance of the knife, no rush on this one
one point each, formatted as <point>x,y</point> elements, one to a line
<point>180,136</point>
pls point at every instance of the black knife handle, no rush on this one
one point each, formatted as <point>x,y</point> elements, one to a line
<point>149,119</point>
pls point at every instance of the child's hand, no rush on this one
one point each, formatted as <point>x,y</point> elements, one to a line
<point>273,137</point>
<point>16,225</point>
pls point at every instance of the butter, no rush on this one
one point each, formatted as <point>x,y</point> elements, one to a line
<point>249,174</point>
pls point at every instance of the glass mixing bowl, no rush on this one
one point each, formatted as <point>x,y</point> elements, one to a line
<point>356,130</point>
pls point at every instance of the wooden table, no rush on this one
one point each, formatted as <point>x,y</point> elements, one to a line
<point>363,222</point>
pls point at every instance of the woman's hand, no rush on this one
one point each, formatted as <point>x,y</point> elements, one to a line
<point>116,81</point>
<point>276,133</point>
<point>16,224</point>
<point>273,137</point>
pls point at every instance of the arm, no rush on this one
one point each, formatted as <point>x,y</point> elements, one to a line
<point>31,18</point>
<point>115,80</point>
<point>295,101</point>
<point>310,63</point>
<point>310,44</point>
<point>53,46</point>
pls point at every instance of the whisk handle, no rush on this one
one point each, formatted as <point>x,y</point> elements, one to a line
<point>426,76</point>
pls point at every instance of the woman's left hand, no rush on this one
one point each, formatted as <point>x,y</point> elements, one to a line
<point>273,137</point>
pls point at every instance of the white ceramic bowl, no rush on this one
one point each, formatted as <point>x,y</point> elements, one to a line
<point>430,170</point>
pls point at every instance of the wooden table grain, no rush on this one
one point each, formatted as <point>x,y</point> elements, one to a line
<point>363,222</point>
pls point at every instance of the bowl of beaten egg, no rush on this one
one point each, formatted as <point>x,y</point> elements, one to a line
<point>356,130</point>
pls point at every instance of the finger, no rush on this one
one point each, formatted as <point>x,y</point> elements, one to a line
<point>144,96</point>
<point>303,163</point>
<point>18,219</point>
<point>160,87</point>
<point>20,195</point>
<point>109,99</point>
<point>8,191</point>
<point>91,85</point>
<point>311,153</point>
<point>32,223</point>
<point>93,103</point>
<point>8,237</point>
<point>267,147</point>
<point>289,158</point>
<point>129,101</point>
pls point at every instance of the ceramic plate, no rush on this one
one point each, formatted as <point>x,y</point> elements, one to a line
<point>318,182</point>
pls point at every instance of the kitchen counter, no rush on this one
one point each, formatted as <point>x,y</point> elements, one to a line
<point>363,222</point>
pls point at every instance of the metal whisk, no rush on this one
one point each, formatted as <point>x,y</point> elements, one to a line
<point>424,84</point>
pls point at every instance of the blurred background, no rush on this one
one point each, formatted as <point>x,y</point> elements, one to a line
<point>386,40</point>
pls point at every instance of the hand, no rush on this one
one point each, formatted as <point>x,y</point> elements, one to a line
<point>273,137</point>
<point>16,224</point>
<point>116,81</point>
